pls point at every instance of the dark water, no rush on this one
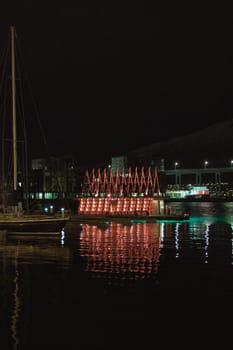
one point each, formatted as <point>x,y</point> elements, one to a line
<point>121,286</point>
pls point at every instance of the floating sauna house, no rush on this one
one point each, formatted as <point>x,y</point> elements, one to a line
<point>132,192</point>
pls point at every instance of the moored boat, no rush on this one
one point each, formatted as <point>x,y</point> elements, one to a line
<point>32,223</point>
<point>12,216</point>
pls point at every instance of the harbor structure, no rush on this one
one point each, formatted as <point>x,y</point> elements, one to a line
<point>129,192</point>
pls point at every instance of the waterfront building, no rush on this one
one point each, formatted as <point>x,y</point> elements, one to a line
<point>59,179</point>
<point>187,192</point>
<point>132,192</point>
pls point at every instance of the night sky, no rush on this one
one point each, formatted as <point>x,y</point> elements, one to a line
<point>109,77</point>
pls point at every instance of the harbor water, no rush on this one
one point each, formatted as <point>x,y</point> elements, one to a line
<point>112,285</point>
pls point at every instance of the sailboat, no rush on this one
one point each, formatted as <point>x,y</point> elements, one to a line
<point>15,220</point>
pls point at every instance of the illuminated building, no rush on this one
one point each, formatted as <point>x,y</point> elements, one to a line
<point>131,192</point>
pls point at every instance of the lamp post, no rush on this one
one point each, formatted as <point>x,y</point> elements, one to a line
<point>176,175</point>
<point>231,163</point>
<point>206,163</point>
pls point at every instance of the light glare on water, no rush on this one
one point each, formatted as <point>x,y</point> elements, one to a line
<point>112,284</point>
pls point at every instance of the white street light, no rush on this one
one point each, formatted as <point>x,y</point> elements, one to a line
<point>206,163</point>
<point>176,164</point>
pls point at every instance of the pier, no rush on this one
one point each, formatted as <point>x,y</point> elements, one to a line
<point>198,175</point>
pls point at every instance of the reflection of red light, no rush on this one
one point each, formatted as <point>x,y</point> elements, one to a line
<point>133,250</point>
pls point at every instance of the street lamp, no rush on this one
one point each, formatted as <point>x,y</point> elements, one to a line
<point>231,163</point>
<point>176,164</point>
<point>206,163</point>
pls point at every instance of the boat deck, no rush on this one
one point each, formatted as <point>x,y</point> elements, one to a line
<point>32,223</point>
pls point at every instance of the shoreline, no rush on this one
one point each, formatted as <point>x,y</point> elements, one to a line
<point>198,200</point>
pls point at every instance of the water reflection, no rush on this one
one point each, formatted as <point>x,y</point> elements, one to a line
<point>34,249</point>
<point>136,251</point>
<point>206,212</point>
<point>16,308</point>
<point>121,251</point>
<point>45,280</point>
<point>19,255</point>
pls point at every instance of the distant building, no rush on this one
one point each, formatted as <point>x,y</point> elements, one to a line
<point>118,163</point>
<point>54,175</point>
<point>137,160</point>
<point>192,191</point>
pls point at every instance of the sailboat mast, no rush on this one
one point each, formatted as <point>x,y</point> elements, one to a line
<point>13,108</point>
